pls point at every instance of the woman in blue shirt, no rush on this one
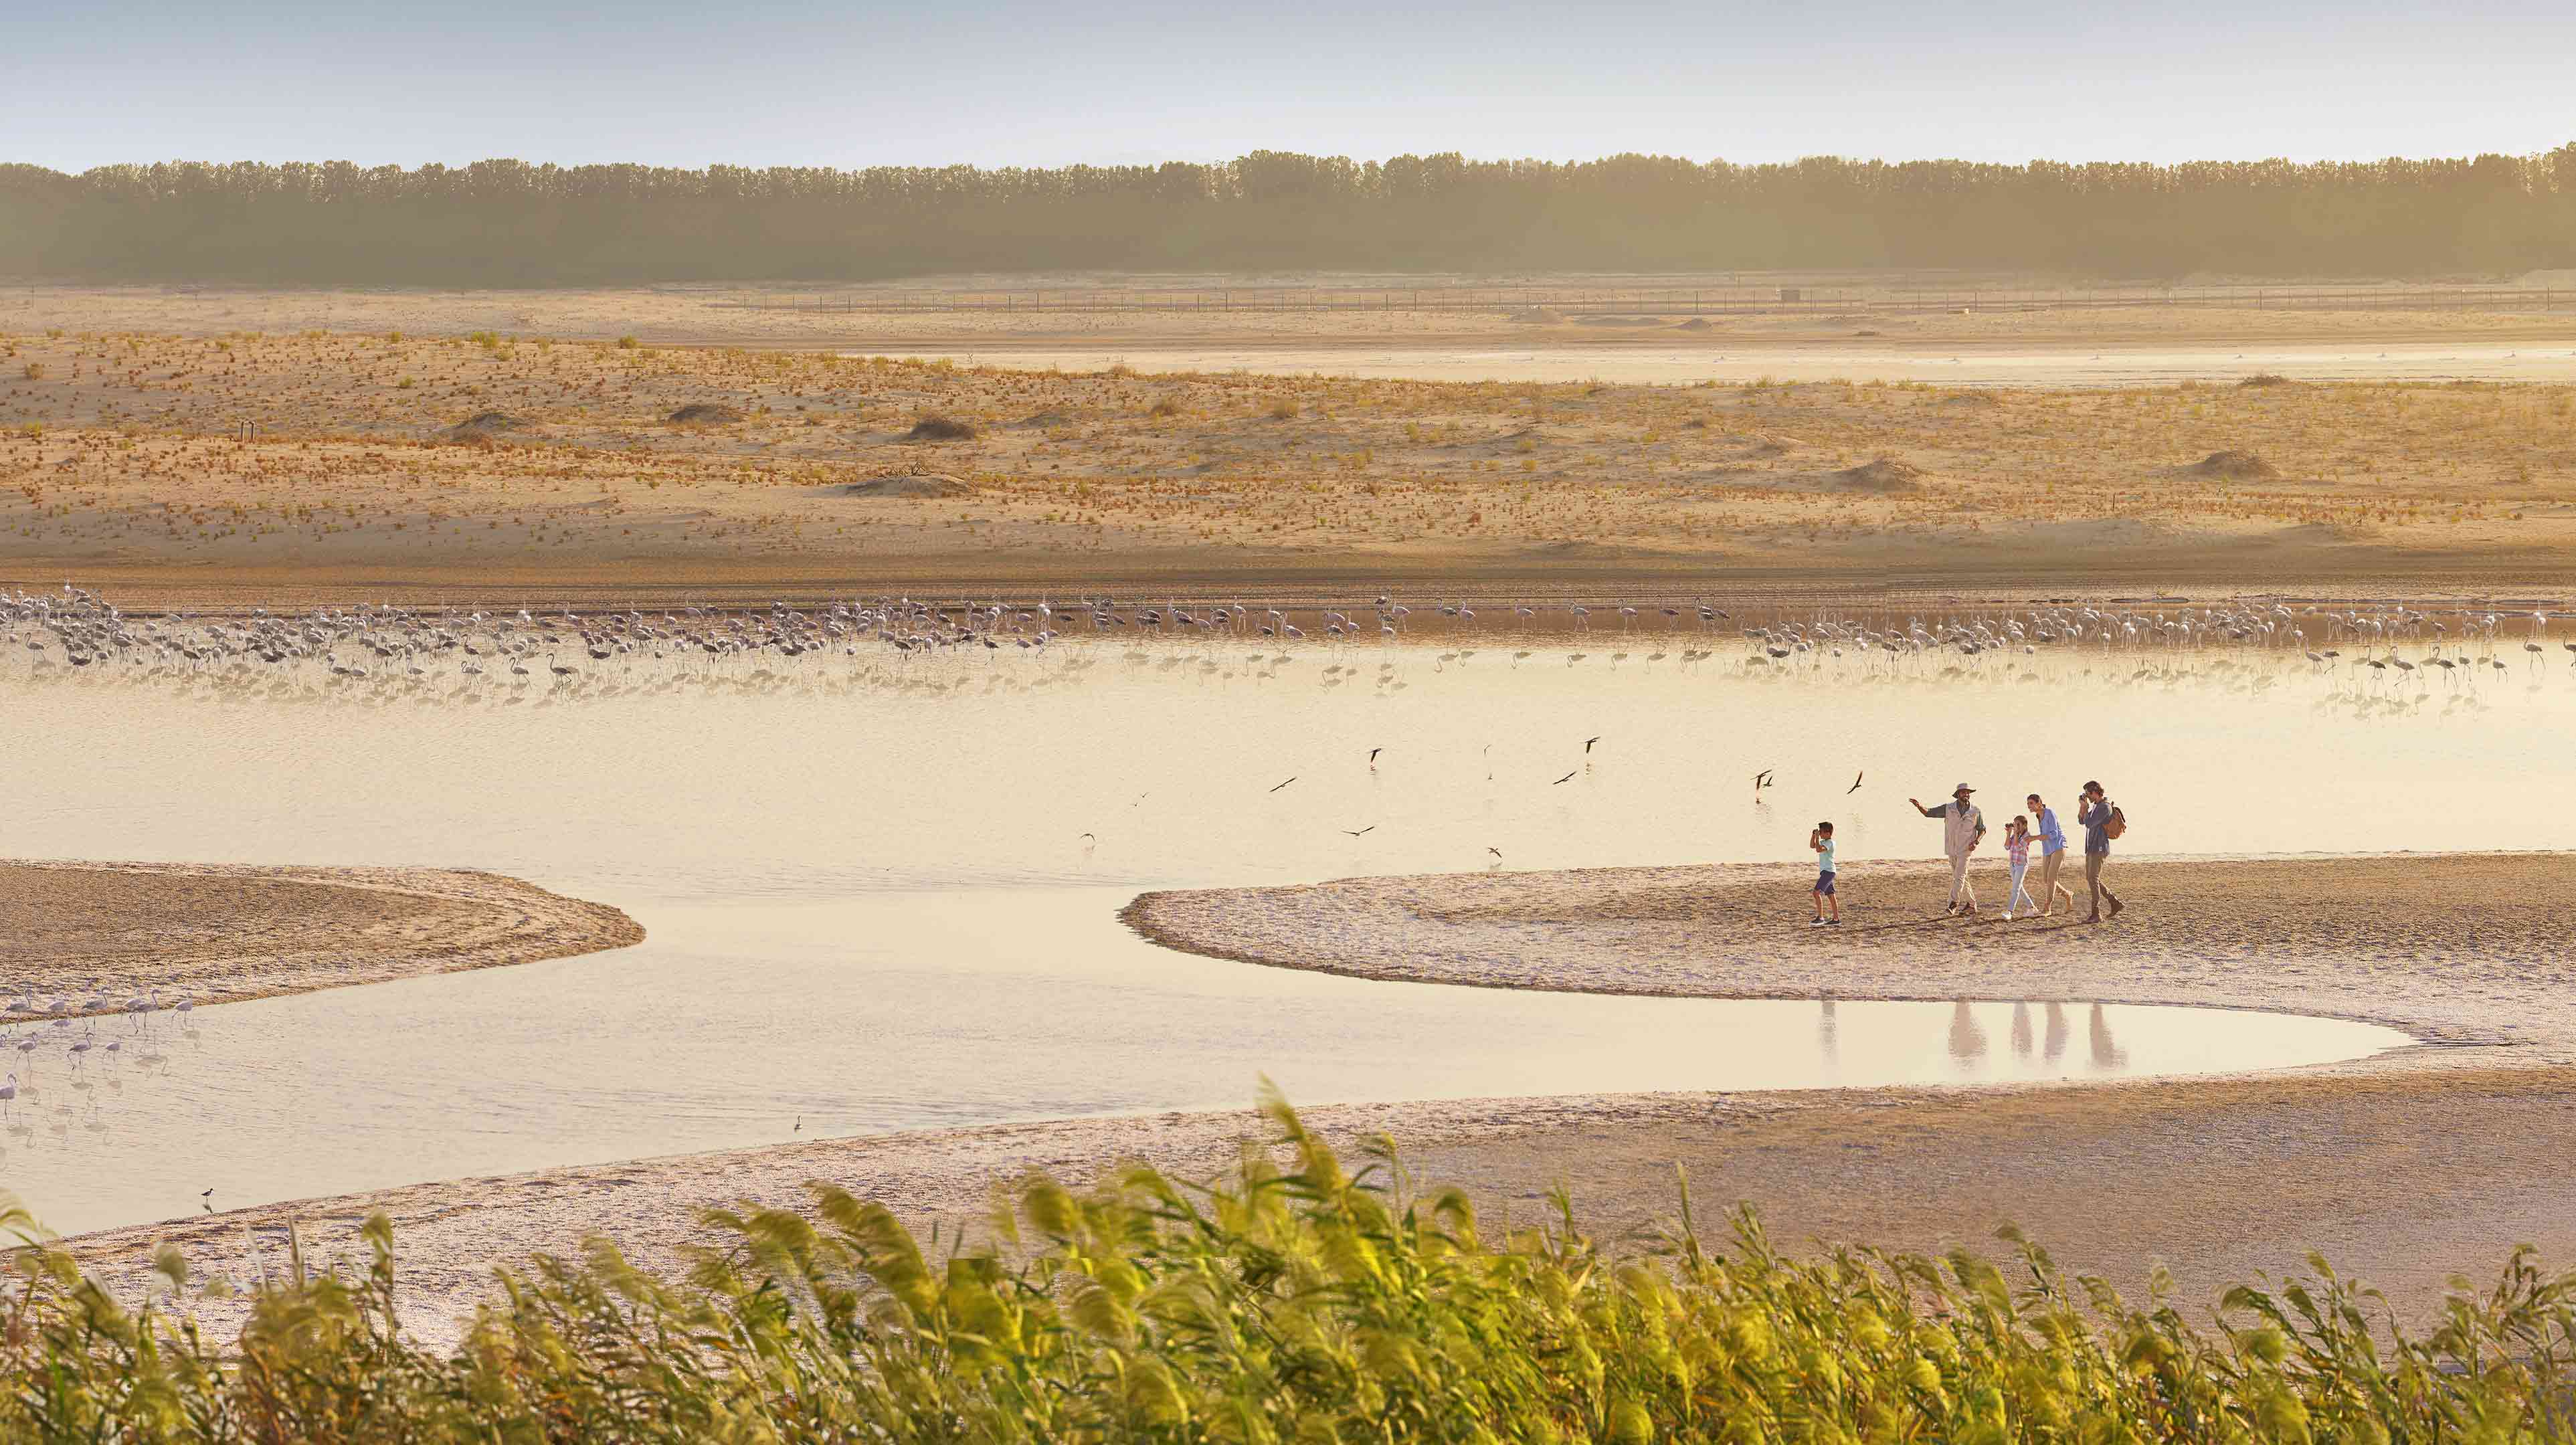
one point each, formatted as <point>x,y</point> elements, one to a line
<point>2052,851</point>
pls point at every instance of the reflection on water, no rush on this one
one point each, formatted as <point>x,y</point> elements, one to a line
<point>1967,1037</point>
<point>883,896</point>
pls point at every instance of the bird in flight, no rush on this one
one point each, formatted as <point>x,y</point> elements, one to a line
<point>1373,752</point>
<point>1282,785</point>
<point>1761,780</point>
<point>1855,787</point>
<point>1587,744</point>
<point>1371,828</point>
<point>202,1201</point>
<point>1497,852</point>
<point>1566,779</point>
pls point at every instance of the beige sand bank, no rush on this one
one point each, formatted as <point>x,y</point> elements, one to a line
<point>214,934</point>
<point>2404,1168</point>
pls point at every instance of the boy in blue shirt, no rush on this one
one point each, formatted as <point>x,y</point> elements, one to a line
<point>1821,842</point>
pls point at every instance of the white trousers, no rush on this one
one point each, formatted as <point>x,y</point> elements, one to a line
<point>2020,898</point>
<point>1961,890</point>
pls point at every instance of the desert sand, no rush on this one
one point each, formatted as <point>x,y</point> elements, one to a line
<point>2404,1168</point>
<point>220,934</point>
<point>174,464</point>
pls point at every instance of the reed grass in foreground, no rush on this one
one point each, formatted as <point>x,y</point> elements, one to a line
<point>1306,1305</point>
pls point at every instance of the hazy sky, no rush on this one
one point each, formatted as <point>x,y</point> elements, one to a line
<point>1045,82</point>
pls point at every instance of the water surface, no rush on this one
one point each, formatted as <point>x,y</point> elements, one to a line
<point>880,892</point>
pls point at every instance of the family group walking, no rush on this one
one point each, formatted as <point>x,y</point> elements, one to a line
<point>1963,828</point>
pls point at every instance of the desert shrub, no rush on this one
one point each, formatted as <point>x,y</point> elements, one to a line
<point>704,413</point>
<point>1166,407</point>
<point>933,426</point>
<point>33,371</point>
<point>1284,409</point>
<point>627,343</point>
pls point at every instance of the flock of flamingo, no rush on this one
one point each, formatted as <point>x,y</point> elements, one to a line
<point>79,629</point>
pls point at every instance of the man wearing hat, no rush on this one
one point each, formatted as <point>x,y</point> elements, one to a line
<point>1962,829</point>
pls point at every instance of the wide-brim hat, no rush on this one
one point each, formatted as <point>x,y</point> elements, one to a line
<point>1963,788</point>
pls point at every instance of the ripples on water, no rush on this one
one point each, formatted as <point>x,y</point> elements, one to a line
<point>880,890</point>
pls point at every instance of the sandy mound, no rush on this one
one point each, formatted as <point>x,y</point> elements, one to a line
<point>916,484</point>
<point>482,427</point>
<point>704,413</point>
<point>2083,533</point>
<point>937,428</point>
<point>2324,533</point>
<point>218,933</point>
<point>2234,467</point>
<point>1880,474</point>
<point>1972,398</point>
<point>1697,323</point>
<point>2264,378</point>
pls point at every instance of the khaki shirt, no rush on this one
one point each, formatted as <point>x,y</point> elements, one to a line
<point>1961,823</point>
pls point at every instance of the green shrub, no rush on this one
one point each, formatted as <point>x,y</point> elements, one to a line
<point>1271,1308</point>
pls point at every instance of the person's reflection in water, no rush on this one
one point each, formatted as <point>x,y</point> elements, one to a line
<point>2021,1029</point>
<point>2107,1054</point>
<point>1967,1041</point>
<point>2056,1033</point>
<point>1827,1042</point>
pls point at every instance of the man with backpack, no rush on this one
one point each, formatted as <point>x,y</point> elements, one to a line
<point>2102,822</point>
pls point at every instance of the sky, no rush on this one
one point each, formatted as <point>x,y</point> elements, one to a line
<point>1052,82</point>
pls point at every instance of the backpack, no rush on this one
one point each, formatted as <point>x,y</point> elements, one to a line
<point>2118,825</point>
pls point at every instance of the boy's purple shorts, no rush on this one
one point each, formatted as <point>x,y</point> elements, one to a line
<point>1825,884</point>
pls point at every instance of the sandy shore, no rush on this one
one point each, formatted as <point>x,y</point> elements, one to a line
<point>219,934</point>
<point>2464,949</point>
<point>2404,1168</point>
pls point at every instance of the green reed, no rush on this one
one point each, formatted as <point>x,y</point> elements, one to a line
<point>1300,1306</point>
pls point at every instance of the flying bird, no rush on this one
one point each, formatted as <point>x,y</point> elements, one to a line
<point>1371,828</point>
<point>1761,780</point>
<point>1282,785</point>
<point>1587,744</point>
<point>1373,752</point>
<point>1566,779</point>
<point>1855,787</point>
<point>1497,852</point>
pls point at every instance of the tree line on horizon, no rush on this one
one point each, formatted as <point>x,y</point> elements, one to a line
<point>512,223</point>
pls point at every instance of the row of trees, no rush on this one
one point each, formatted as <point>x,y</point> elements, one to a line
<point>506,222</point>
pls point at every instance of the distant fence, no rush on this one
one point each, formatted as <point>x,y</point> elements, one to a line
<point>1581,302</point>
